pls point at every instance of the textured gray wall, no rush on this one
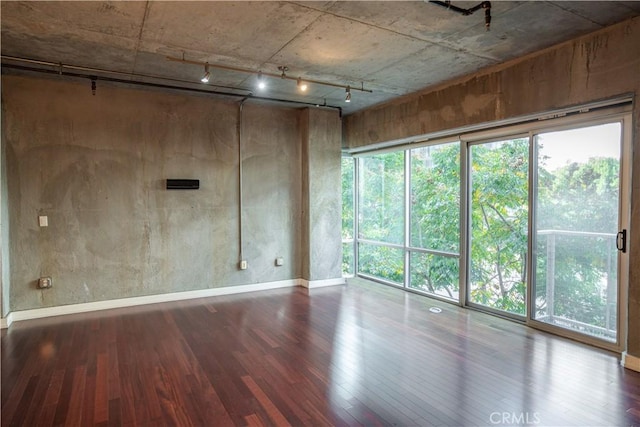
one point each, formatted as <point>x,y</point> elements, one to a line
<point>323,200</point>
<point>96,166</point>
<point>4,232</point>
<point>598,66</point>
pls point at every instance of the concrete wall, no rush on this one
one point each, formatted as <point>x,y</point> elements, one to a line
<point>96,166</point>
<point>602,65</point>
<point>4,232</point>
<point>323,200</point>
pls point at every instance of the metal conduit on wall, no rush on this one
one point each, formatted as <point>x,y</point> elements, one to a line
<point>240,188</point>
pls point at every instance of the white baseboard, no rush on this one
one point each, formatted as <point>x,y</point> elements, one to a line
<point>62,310</point>
<point>134,301</point>
<point>630,362</point>
<point>313,284</point>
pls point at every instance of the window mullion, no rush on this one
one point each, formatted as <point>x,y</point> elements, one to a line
<point>407,217</point>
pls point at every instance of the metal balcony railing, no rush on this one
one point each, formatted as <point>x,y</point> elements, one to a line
<point>608,331</point>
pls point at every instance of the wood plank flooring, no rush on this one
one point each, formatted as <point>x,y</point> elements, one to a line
<point>362,354</point>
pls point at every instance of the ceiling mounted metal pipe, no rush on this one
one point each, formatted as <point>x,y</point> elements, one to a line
<point>486,5</point>
<point>93,78</point>
<point>60,69</point>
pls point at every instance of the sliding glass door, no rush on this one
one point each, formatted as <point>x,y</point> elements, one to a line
<point>527,221</point>
<point>544,211</point>
<point>498,213</point>
<point>576,229</point>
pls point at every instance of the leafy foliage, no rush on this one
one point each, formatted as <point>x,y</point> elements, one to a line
<point>347,214</point>
<point>580,198</point>
<point>435,218</point>
<point>347,197</point>
<point>499,214</point>
<point>381,198</point>
<point>381,261</point>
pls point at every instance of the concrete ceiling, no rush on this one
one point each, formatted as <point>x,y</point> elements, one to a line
<point>391,47</point>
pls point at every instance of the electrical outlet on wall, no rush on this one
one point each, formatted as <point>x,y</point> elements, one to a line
<point>243,264</point>
<point>45,282</point>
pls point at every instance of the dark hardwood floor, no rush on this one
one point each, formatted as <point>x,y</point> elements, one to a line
<point>360,354</point>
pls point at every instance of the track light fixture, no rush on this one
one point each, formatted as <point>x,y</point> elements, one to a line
<point>302,85</point>
<point>261,83</point>
<point>207,75</point>
<point>348,97</point>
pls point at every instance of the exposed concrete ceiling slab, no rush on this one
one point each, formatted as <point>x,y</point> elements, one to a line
<point>248,31</point>
<point>391,48</point>
<point>530,25</point>
<point>424,21</point>
<point>70,50</point>
<point>335,43</point>
<point>118,19</point>
<point>430,66</point>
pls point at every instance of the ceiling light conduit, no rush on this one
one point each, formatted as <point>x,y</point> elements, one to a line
<point>486,5</point>
<point>61,68</point>
<point>58,68</point>
<point>282,75</point>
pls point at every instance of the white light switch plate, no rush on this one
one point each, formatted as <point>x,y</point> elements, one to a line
<point>43,220</point>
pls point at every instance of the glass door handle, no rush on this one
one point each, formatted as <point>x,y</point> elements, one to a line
<point>621,241</point>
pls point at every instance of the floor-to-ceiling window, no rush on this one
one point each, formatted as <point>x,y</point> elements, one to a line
<point>348,214</point>
<point>434,212</point>
<point>380,243</point>
<point>526,221</point>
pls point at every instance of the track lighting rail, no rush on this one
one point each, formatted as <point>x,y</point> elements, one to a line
<point>97,74</point>
<point>282,75</point>
<point>61,69</point>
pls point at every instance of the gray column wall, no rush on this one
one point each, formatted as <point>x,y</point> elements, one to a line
<point>322,200</point>
<point>96,166</point>
<point>601,65</point>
